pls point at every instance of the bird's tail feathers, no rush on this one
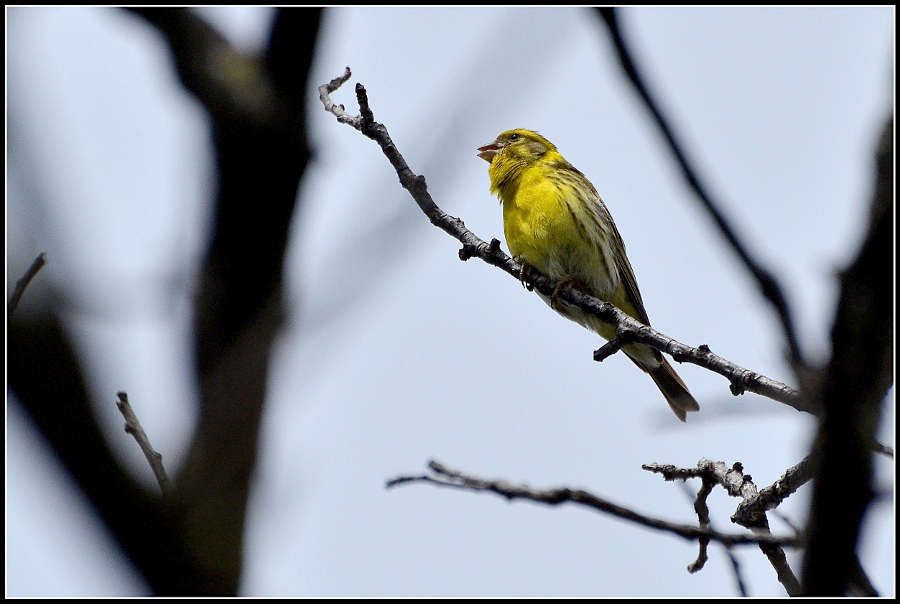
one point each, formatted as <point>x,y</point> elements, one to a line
<point>676,392</point>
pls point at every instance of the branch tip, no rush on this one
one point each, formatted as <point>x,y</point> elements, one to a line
<point>23,283</point>
<point>623,337</point>
<point>133,427</point>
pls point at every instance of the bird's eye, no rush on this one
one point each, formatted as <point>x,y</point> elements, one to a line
<point>513,137</point>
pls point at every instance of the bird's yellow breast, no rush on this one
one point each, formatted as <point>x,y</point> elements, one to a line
<point>533,217</point>
<point>544,228</point>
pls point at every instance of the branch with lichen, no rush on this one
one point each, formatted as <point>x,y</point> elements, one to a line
<point>738,484</point>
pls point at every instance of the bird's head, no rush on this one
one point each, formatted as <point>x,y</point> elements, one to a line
<point>520,146</point>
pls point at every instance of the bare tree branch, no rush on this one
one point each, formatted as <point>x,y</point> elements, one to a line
<point>257,109</point>
<point>133,427</point>
<point>740,379</point>
<point>752,508</point>
<point>703,517</point>
<point>702,510</point>
<point>737,484</point>
<point>445,477</point>
<point>22,283</point>
<point>855,383</point>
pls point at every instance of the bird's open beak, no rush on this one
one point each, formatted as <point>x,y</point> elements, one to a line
<point>489,151</point>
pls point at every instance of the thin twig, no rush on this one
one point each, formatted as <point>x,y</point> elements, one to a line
<point>702,510</point>
<point>768,284</point>
<point>884,450</point>
<point>22,283</point>
<point>741,379</point>
<point>703,518</point>
<point>133,427</point>
<point>443,476</point>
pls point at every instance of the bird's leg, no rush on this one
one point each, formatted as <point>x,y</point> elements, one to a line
<point>524,283</point>
<point>567,281</point>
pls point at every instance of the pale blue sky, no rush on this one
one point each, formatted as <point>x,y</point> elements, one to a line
<point>395,352</point>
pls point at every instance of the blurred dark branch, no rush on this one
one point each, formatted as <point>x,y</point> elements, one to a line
<point>233,87</point>
<point>857,378</point>
<point>853,390</point>
<point>257,106</point>
<point>768,284</point>
<point>191,543</point>
<point>22,284</point>
<point>445,477</point>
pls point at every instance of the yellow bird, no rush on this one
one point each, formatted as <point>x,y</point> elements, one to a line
<point>555,221</point>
